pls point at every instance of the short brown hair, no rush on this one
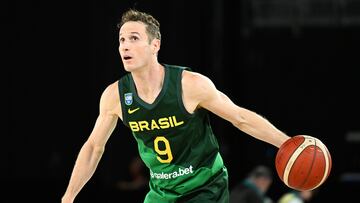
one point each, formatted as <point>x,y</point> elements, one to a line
<point>152,25</point>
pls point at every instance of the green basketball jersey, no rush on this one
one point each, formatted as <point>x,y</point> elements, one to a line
<point>179,148</point>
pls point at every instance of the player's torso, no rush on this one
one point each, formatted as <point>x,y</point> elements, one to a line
<point>174,144</point>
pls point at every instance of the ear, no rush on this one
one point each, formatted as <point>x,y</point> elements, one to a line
<point>155,45</point>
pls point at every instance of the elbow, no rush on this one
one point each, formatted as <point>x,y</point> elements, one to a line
<point>242,118</point>
<point>99,150</point>
<point>95,149</point>
<point>238,121</point>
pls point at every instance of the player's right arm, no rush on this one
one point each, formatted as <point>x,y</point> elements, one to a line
<point>92,150</point>
<point>200,92</point>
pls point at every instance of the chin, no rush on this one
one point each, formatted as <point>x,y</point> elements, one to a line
<point>130,68</point>
<point>127,68</point>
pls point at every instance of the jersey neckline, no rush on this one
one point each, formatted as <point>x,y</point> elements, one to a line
<point>147,105</point>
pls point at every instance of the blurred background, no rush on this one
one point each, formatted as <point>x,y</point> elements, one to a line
<point>294,62</point>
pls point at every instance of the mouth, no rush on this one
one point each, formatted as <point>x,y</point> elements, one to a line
<point>126,58</point>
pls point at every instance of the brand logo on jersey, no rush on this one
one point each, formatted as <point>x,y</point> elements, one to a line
<point>128,98</point>
<point>172,175</point>
<point>130,111</point>
<point>161,123</point>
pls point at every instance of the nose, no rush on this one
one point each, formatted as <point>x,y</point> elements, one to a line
<point>123,47</point>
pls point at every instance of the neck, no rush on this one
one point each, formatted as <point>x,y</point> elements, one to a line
<point>149,81</point>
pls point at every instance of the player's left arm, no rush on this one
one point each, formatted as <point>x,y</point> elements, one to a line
<point>204,93</point>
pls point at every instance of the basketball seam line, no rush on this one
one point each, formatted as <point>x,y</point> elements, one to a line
<point>312,165</point>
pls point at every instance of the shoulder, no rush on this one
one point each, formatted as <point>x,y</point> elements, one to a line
<point>197,84</point>
<point>111,91</point>
<point>196,80</point>
<point>110,100</point>
<point>197,89</point>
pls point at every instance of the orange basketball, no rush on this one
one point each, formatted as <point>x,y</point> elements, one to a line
<point>303,162</point>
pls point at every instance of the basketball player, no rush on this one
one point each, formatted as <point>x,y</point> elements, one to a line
<point>166,107</point>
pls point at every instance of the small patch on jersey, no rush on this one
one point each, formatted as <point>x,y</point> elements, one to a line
<point>128,98</point>
<point>131,111</point>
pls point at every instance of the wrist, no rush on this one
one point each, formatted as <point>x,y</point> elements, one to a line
<point>67,198</point>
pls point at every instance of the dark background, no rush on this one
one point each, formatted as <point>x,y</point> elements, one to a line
<point>294,62</point>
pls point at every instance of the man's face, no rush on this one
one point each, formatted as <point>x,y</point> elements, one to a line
<point>134,47</point>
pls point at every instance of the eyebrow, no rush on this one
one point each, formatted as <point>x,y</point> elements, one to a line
<point>136,33</point>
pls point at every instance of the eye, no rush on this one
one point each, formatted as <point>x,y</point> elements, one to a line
<point>134,38</point>
<point>122,39</point>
